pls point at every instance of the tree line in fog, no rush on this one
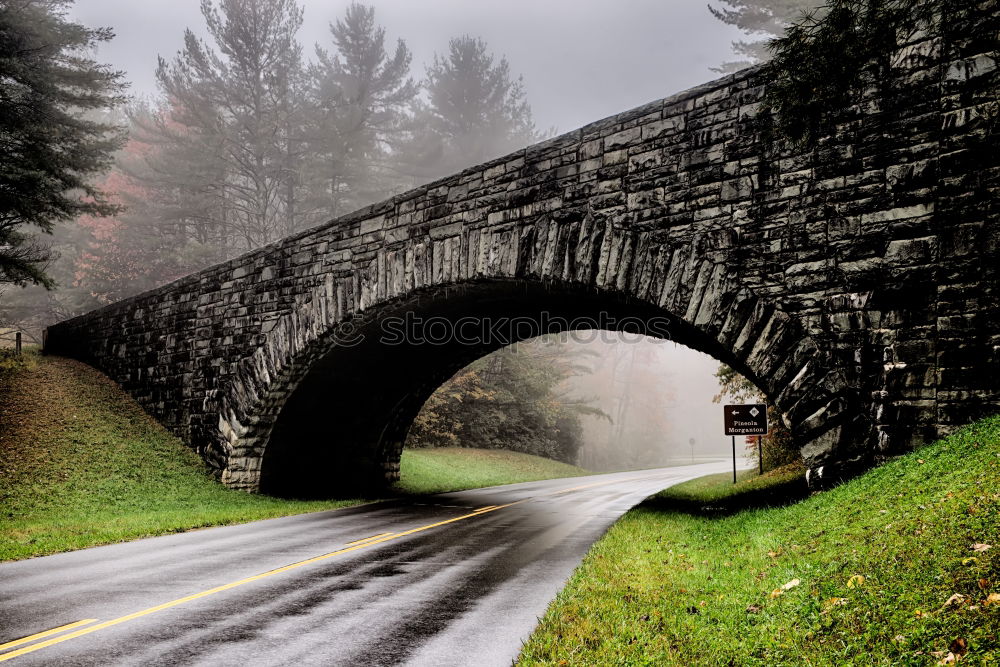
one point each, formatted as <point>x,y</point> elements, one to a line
<point>254,137</point>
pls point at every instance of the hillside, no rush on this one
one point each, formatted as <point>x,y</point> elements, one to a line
<point>898,567</point>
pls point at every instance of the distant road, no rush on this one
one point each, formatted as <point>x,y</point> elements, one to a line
<point>452,579</point>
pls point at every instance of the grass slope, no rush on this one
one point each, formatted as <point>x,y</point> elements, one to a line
<point>81,464</point>
<point>457,468</point>
<point>716,494</point>
<point>888,569</point>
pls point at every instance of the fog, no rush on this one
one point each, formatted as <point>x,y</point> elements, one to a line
<point>660,401</point>
<point>580,61</point>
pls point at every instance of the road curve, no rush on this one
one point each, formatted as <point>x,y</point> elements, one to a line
<point>453,579</point>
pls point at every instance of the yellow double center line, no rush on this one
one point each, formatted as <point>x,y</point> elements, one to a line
<point>47,633</point>
<point>354,546</point>
<point>79,631</point>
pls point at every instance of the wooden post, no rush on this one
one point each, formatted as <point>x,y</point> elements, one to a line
<point>17,343</point>
<point>760,453</point>
<point>734,459</point>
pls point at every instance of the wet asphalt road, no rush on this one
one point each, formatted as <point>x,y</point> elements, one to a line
<point>442,584</point>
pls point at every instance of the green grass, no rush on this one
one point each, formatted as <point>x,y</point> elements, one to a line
<point>876,560</point>
<point>455,468</point>
<point>81,464</point>
<point>716,494</point>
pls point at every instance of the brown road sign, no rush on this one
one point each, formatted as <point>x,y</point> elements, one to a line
<point>750,419</point>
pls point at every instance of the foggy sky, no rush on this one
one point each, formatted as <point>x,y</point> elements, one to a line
<point>692,412</point>
<point>582,60</point>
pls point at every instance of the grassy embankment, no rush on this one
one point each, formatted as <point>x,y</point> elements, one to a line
<point>82,464</point>
<point>898,567</point>
<point>452,468</point>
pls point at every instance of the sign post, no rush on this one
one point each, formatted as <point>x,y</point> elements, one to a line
<point>734,459</point>
<point>750,419</point>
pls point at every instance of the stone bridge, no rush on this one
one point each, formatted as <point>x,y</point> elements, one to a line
<point>855,282</point>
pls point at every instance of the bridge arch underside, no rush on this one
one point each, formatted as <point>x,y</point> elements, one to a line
<point>339,425</point>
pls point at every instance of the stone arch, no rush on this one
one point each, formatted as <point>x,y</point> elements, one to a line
<point>846,277</point>
<point>307,403</point>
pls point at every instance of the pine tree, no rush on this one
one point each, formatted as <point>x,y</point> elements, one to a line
<point>359,95</point>
<point>237,100</point>
<point>476,111</point>
<point>762,19</point>
<point>181,172</point>
<point>52,140</point>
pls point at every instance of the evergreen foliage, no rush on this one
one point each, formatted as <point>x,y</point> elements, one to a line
<point>851,46</point>
<point>359,96</point>
<point>51,135</point>
<point>235,99</point>
<point>249,142</point>
<point>762,19</point>
<point>476,110</point>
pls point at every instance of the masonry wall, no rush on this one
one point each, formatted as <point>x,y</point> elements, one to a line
<point>879,247</point>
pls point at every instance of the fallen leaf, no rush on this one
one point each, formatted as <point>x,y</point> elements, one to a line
<point>856,581</point>
<point>981,547</point>
<point>949,659</point>
<point>834,602</point>
<point>752,609</point>
<point>955,600</point>
<point>899,638</point>
<point>776,593</point>
<point>991,599</point>
<point>959,647</point>
<point>790,585</point>
<point>971,560</point>
<point>920,460</point>
<point>984,584</point>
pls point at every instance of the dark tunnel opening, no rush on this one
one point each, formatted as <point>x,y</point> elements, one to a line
<point>341,430</point>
